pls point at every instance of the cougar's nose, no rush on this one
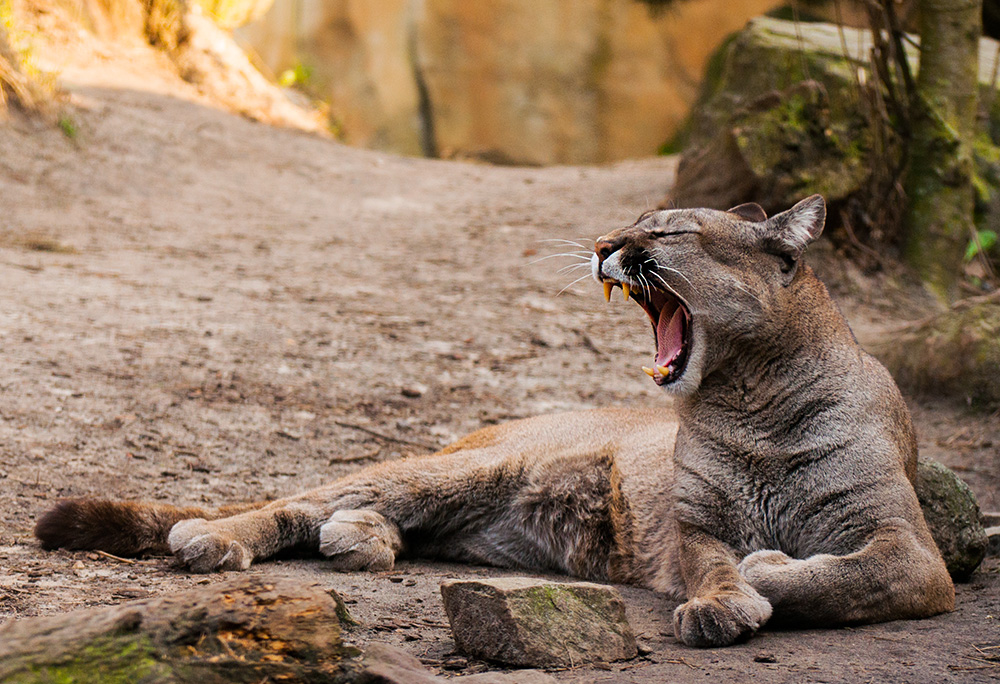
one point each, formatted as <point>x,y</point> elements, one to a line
<point>608,245</point>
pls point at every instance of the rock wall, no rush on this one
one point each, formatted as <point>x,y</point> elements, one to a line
<point>564,81</point>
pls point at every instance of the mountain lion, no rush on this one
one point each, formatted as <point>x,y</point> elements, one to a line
<point>781,488</point>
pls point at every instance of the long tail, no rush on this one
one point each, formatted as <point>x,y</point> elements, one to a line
<point>124,528</point>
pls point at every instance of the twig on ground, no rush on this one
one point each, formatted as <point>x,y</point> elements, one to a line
<point>127,561</point>
<point>382,435</point>
<point>680,661</point>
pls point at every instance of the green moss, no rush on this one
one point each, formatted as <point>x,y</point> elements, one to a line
<point>542,600</point>
<point>68,126</point>
<point>119,659</point>
<point>344,615</point>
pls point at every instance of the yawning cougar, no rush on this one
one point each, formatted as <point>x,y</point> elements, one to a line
<point>780,489</point>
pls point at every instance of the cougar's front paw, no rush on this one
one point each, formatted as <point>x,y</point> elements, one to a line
<point>761,563</point>
<point>721,619</point>
<point>768,572</point>
<point>360,540</point>
<point>200,549</point>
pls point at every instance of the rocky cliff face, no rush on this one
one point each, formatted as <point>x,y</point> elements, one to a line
<point>565,81</point>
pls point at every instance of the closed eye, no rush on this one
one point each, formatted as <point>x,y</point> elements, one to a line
<point>659,232</point>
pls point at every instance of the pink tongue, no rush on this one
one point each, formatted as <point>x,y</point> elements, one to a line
<point>669,336</point>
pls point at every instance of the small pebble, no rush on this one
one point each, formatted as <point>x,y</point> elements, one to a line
<point>413,391</point>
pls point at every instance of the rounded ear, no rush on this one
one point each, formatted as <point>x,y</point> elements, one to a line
<point>751,211</point>
<point>790,232</point>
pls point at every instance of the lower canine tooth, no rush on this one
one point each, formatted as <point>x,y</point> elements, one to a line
<point>608,286</point>
<point>625,290</point>
<point>663,370</point>
<point>649,371</point>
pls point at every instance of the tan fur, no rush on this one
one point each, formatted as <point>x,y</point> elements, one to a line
<point>779,490</point>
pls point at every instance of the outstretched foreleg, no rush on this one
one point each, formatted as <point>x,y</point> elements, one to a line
<point>360,520</point>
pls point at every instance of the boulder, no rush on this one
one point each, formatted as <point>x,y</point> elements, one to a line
<point>534,623</point>
<point>953,516</point>
<point>780,116</point>
<point>775,149</point>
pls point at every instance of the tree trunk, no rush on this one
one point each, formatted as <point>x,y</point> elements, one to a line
<point>243,631</point>
<point>939,179</point>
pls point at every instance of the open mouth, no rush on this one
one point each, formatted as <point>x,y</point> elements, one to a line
<point>671,327</point>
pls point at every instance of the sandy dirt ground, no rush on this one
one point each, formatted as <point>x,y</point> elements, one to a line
<point>200,309</point>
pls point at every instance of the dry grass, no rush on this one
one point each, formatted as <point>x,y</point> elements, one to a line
<point>21,84</point>
<point>37,241</point>
<point>14,85</point>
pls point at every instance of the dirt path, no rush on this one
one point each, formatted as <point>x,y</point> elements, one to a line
<point>198,308</point>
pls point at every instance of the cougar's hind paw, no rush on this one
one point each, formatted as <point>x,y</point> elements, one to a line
<point>200,549</point>
<point>359,540</point>
<point>721,619</point>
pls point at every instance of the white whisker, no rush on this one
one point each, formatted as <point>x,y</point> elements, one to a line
<point>561,254</point>
<point>583,277</point>
<point>646,289</point>
<point>660,278</point>
<point>567,242</point>
<point>739,286</point>
<point>674,270</point>
<point>572,267</point>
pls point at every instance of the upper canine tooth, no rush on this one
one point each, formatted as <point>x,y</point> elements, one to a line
<point>608,286</point>
<point>626,290</point>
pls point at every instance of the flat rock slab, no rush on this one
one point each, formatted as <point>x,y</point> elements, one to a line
<point>534,623</point>
<point>383,664</point>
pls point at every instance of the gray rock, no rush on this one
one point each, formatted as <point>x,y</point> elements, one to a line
<point>993,534</point>
<point>953,515</point>
<point>533,623</point>
<point>383,664</point>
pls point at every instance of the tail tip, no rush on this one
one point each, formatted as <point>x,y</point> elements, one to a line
<point>59,526</point>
